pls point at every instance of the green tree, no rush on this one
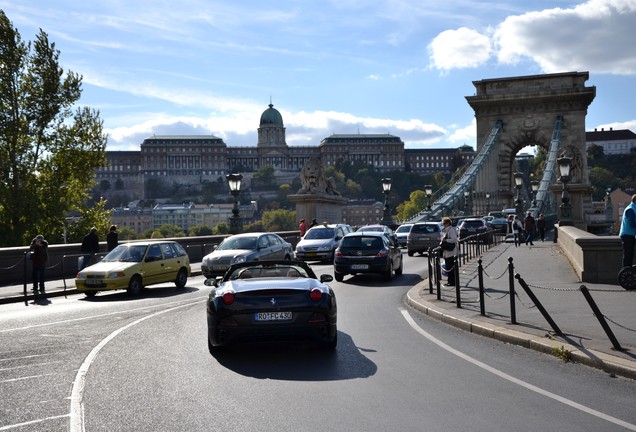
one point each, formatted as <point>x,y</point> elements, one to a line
<point>199,230</point>
<point>49,146</point>
<point>221,228</point>
<point>264,178</point>
<point>279,220</point>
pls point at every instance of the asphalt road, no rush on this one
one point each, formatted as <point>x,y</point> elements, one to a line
<point>113,363</point>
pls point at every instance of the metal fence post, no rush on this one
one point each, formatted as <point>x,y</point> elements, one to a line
<point>511,283</point>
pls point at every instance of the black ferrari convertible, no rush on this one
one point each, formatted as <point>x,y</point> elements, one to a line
<point>271,301</point>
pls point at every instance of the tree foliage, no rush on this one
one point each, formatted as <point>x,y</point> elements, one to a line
<point>279,220</point>
<point>49,146</point>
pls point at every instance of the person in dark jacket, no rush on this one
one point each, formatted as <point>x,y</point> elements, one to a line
<point>529,225</point>
<point>39,256</point>
<point>541,226</point>
<point>112,238</point>
<point>90,247</point>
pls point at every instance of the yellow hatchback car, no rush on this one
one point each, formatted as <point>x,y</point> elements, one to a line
<point>132,266</point>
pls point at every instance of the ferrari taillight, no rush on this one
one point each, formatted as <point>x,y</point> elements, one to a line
<point>315,294</point>
<point>228,298</point>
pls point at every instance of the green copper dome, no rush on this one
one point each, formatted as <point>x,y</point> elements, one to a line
<point>271,116</point>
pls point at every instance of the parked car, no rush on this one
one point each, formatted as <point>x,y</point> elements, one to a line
<point>499,225</point>
<point>271,300</point>
<point>245,247</point>
<point>367,252</point>
<point>477,229</point>
<point>320,242</point>
<point>424,235</point>
<point>132,266</point>
<point>381,228</point>
<point>402,232</point>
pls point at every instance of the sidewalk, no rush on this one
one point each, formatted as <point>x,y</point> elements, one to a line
<point>551,278</point>
<point>553,281</point>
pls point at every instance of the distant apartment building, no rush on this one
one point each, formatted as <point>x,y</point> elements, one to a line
<point>362,212</point>
<point>620,141</point>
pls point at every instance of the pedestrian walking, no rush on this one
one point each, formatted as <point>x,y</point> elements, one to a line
<point>517,229</point>
<point>541,226</point>
<point>90,247</point>
<point>112,238</point>
<point>302,227</point>
<point>39,256</point>
<point>529,225</point>
<point>627,232</point>
<point>450,236</point>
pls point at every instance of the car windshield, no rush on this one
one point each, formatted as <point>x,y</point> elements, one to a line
<point>124,253</point>
<point>238,243</point>
<point>319,234</point>
<point>403,228</point>
<point>268,271</point>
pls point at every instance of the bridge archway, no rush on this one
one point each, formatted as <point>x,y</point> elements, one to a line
<point>528,107</point>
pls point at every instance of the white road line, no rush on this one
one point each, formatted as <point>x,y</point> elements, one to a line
<point>512,379</point>
<point>77,393</point>
<point>19,425</point>
<point>120,312</point>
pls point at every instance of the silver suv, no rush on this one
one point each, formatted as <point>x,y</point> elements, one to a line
<point>320,242</point>
<point>422,236</point>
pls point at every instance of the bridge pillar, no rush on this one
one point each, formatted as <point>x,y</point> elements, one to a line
<point>528,107</point>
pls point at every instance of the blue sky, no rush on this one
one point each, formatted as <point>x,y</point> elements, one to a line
<point>402,67</point>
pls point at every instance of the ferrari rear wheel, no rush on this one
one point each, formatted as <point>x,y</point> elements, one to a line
<point>330,345</point>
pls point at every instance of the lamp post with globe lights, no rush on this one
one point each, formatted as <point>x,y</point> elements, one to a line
<point>518,184</point>
<point>565,164</point>
<point>236,223</point>
<point>386,217</point>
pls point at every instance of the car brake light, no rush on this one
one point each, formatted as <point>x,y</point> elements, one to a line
<point>228,298</point>
<point>338,253</point>
<point>315,294</point>
<point>382,253</point>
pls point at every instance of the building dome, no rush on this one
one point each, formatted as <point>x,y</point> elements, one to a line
<point>271,116</point>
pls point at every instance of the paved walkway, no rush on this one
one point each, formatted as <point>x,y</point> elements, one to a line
<point>550,277</point>
<point>553,281</point>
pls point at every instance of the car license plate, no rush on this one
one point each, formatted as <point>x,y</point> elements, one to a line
<point>220,267</point>
<point>272,316</point>
<point>93,282</point>
<point>359,266</point>
<point>311,254</point>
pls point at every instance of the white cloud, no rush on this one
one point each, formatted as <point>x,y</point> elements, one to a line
<point>595,36</point>
<point>461,48</point>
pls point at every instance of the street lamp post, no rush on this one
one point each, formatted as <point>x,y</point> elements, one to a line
<point>487,202</point>
<point>535,189</point>
<point>466,202</point>
<point>429,193</point>
<point>236,223</point>
<point>564,169</point>
<point>518,184</point>
<point>386,217</point>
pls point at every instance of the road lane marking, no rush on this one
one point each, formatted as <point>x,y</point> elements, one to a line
<point>77,407</point>
<point>20,425</point>
<point>512,379</point>
<point>119,312</point>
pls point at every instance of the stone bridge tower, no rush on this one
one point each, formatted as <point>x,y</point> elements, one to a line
<point>528,107</point>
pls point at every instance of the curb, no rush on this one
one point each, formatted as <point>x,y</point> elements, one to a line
<point>599,360</point>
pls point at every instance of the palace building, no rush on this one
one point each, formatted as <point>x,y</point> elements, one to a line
<point>191,160</point>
